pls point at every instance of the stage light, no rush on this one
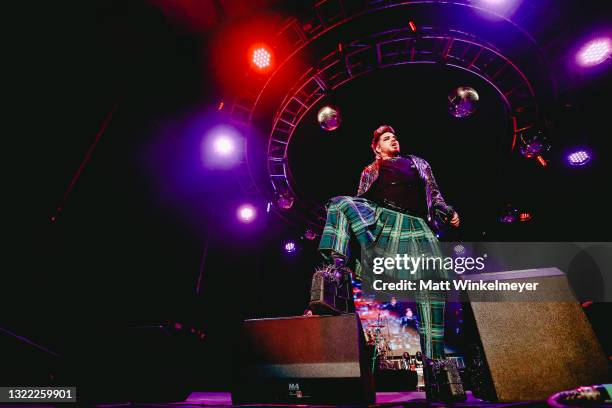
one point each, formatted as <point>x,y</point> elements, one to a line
<point>510,215</point>
<point>261,57</point>
<point>329,118</point>
<point>224,146</point>
<point>246,213</point>
<point>459,249</point>
<point>221,147</point>
<point>310,234</point>
<point>412,26</point>
<point>542,161</point>
<point>578,158</point>
<point>285,201</point>
<point>290,247</point>
<point>595,52</point>
<point>533,143</point>
<point>499,8</point>
<point>524,217</point>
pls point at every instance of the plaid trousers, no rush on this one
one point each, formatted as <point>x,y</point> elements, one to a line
<point>393,233</point>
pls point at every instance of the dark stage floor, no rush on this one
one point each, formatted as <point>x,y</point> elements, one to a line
<point>383,399</point>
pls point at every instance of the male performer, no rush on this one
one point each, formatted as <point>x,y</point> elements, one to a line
<point>409,320</point>
<point>393,307</point>
<point>396,194</point>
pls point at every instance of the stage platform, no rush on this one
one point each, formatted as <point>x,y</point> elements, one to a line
<point>383,399</point>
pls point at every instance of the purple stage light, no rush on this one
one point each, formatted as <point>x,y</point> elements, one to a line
<point>290,247</point>
<point>224,145</point>
<point>246,213</point>
<point>498,7</point>
<point>459,249</point>
<point>510,215</point>
<point>595,52</point>
<point>578,158</point>
<point>496,10</point>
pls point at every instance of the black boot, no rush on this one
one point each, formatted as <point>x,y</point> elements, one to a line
<point>442,380</point>
<point>331,292</point>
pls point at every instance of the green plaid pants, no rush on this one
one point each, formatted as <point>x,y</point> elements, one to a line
<point>390,232</point>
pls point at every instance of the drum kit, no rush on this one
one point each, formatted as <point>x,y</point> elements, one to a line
<point>377,335</point>
<point>379,339</point>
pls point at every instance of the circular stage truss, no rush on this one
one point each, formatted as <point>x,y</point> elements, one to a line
<point>350,59</point>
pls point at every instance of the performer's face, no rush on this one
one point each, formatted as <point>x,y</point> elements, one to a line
<point>388,145</point>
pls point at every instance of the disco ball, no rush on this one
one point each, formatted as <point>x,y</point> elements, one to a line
<point>462,102</point>
<point>329,118</point>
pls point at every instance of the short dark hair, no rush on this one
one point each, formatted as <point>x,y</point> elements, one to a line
<point>381,130</point>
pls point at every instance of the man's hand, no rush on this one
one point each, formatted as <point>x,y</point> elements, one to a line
<point>455,220</point>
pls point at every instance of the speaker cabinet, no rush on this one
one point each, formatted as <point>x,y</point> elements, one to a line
<point>529,350</point>
<point>302,360</point>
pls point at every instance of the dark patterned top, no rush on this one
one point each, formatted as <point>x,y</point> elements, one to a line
<point>400,187</point>
<point>436,206</point>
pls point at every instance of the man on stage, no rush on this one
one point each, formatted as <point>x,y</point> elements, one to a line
<point>396,195</point>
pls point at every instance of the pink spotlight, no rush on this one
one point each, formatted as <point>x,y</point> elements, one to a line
<point>595,52</point>
<point>246,213</point>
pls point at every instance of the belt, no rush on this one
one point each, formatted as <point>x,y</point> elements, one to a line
<point>393,205</point>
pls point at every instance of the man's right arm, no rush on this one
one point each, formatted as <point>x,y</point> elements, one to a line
<point>364,182</point>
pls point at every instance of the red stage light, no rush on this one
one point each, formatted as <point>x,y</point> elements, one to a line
<point>261,57</point>
<point>524,217</point>
<point>412,26</point>
<point>542,161</point>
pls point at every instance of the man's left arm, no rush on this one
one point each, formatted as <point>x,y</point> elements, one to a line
<point>437,200</point>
